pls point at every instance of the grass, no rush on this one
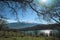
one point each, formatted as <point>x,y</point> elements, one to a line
<point>29,38</point>
<point>5,35</point>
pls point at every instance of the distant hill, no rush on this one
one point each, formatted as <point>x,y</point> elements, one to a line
<point>32,26</point>
<point>19,25</point>
<point>43,27</point>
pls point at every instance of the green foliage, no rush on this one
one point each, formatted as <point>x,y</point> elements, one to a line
<point>8,34</point>
<point>29,38</point>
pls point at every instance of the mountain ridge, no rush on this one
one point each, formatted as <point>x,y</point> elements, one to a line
<point>18,25</point>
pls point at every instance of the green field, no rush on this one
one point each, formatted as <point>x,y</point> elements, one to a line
<point>10,35</point>
<point>29,38</point>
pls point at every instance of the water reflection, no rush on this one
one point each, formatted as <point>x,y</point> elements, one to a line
<point>42,33</point>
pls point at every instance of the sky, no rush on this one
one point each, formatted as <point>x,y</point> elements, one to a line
<point>29,15</point>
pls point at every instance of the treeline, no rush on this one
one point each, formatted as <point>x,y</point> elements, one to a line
<point>6,32</point>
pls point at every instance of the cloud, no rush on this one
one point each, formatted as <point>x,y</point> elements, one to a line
<point>11,21</point>
<point>30,21</point>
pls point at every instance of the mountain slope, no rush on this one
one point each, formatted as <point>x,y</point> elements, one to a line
<point>19,25</point>
<point>42,27</point>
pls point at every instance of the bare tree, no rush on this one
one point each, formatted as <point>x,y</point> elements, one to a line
<point>3,25</point>
<point>47,13</point>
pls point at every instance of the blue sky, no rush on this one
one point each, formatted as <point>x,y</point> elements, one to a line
<point>29,16</point>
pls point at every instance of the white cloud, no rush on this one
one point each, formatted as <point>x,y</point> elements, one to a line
<point>30,21</point>
<point>11,21</point>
